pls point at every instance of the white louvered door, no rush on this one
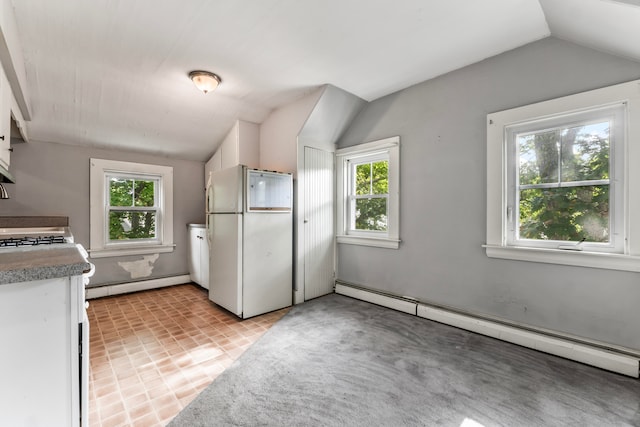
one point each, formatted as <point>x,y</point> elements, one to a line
<point>319,227</point>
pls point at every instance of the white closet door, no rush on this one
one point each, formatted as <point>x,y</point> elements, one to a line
<point>319,229</point>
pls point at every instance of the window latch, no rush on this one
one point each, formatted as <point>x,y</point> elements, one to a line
<point>573,247</point>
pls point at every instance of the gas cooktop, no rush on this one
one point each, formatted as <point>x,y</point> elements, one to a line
<point>16,232</point>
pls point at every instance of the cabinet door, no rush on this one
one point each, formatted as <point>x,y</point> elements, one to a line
<point>216,164</point>
<point>5,120</point>
<point>39,357</point>
<point>204,258</point>
<point>194,255</point>
<point>229,150</point>
<point>249,144</point>
<point>212,165</point>
<point>199,256</point>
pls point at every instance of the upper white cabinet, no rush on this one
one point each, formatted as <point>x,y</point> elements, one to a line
<point>14,97</point>
<point>214,164</point>
<point>5,120</point>
<point>241,146</point>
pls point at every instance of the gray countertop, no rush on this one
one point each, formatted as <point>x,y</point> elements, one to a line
<point>41,262</point>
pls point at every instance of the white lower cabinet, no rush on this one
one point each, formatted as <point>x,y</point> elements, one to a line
<point>41,361</point>
<point>199,255</point>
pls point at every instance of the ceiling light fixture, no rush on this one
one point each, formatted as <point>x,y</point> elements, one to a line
<point>204,80</point>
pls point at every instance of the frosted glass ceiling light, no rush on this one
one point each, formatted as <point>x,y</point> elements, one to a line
<point>204,80</point>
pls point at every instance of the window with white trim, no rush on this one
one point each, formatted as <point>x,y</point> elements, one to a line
<point>131,208</point>
<point>565,180</point>
<point>559,178</point>
<point>368,193</point>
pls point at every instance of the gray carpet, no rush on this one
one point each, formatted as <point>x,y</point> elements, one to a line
<point>335,361</point>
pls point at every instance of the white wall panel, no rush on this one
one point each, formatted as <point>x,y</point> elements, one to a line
<point>318,222</point>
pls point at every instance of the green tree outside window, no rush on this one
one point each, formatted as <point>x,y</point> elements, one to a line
<point>132,208</point>
<point>371,195</point>
<point>564,184</point>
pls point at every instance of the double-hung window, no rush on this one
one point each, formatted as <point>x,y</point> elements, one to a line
<point>565,181</point>
<point>131,208</point>
<point>559,180</point>
<point>368,192</point>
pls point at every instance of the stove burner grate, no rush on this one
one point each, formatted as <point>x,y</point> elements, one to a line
<point>12,242</point>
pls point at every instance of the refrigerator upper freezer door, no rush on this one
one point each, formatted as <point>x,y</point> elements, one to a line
<point>225,194</point>
<point>225,268</point>
<point>269,191</point>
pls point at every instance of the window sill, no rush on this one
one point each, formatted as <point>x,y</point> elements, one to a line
<point>566,257</point>
<point>369,241</point>
<point>130,250</point>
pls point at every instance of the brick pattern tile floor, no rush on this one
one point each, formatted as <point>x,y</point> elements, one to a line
<point>152,352</point>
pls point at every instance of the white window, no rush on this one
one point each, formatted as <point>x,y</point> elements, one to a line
<point>131,208</point>
<point>368,193</point>
<point>559,175</point>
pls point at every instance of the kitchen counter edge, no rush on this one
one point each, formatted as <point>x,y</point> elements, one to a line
<point>24,265</point>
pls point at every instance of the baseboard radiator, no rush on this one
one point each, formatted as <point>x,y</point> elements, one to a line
<point>590,353</point>
<point>142,285</point>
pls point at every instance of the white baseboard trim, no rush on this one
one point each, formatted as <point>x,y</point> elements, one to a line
<point>583,353</point>
<point>569,349</point>
<point>379,299</point>
<point>124,288</point>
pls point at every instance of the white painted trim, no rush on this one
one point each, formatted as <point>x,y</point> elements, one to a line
<point>368,147</point>
<point>379,299</point>
<point>600,358</point>
<point>568,348</point>
<point>124,251</point>
<point>97,211</point>
<point>566,257</point>
<point>391,239</point>
<point>368,241</point>
<point>628,93</point>
<point>124,288</point>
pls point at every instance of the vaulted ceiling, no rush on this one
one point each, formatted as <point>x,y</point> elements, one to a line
<point>113,73</point>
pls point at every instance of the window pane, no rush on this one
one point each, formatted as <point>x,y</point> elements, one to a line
<point>125,225</point>
<point>371,214</point>
<point>144,194</point>
<point>380,177</point>
<point>538,157</point>
<point>363,179</point>
<point>131,192</point>
<point>585,152</point>
<point>569,214</point>
<point>120,192</point>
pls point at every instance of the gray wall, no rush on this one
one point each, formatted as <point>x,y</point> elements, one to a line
<point>53,179</point>
<point>441,124</point>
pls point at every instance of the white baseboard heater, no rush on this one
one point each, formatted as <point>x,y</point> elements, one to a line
<point>569,348</point>
<point>142,285</point>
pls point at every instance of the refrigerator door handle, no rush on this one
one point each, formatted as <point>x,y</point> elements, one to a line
<point>206,230</point>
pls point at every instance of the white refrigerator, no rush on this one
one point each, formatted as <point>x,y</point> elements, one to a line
<point>250,235</point>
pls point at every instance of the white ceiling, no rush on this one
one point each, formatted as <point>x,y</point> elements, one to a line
<point>113,73</point>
